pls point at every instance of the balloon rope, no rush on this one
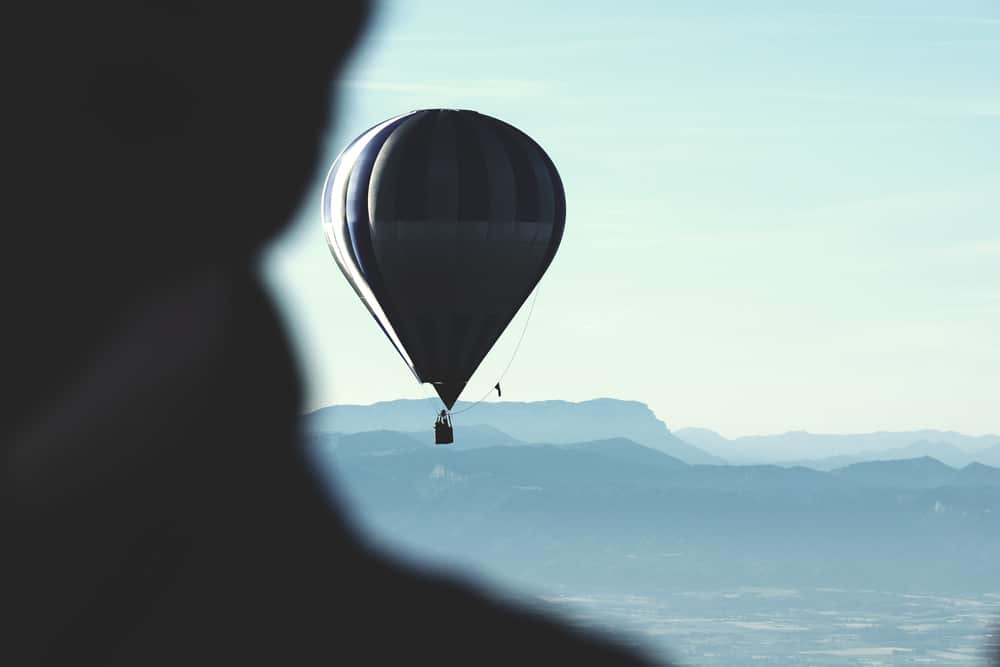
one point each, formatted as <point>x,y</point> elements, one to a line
<point>517,347</point>
<point>432,399</point>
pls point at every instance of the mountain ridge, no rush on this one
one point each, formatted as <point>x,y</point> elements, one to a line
<point>825,451</point>
<point>611,510</point>
<point>555,422</point>
<point>622,457</point>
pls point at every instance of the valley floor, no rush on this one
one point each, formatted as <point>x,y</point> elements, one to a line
<point>822,626</point>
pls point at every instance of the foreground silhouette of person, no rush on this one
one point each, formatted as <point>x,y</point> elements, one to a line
<point>158,506</point>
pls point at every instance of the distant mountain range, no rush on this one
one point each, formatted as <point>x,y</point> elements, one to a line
<point>829,451</point>
<point>921,473</point>
<point>611,510</point>
<point>514,423</point>
<point>624,459</point>
<point>560,422</point>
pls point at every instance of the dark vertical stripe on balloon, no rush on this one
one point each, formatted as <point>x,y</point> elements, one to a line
<point>527,206</point>
<point>473,178</point>
<point>500,179</point>
<point>409,191</point>
<point>554,189</point>
<point>382,184</point>
<point>531,231</point>
<point>442,171</point>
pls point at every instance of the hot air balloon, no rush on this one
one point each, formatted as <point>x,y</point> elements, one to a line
<point>443,221</point>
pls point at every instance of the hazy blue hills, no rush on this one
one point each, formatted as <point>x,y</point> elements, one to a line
<point>944,452</point>
<point>561,422</point>
<point>374,443</point>
<point>825,451</point>
<point>612,461</point>
<point>624,450</point>
<point>924,472</point>
<point>614,512</point>
<point>976,474</point>
<point>472,436</point>
<point>555,422</point>
<point>616,459</point>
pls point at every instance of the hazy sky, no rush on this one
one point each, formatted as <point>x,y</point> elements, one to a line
<point>781,215</point>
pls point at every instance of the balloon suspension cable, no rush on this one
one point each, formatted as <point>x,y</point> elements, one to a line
<point>524,330</point>
<point>428,396</point>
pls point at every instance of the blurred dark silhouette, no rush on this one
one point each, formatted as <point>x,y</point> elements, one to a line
<point>159,509</point>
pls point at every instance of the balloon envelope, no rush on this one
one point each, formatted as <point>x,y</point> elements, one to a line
<point>443,221</point>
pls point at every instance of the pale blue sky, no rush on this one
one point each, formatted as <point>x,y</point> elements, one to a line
<point>781,215</point>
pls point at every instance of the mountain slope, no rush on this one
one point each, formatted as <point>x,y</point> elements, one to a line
<point>621,449</point>
<point>977,474</point>
<point>942,451</point>
<point>920,473</point>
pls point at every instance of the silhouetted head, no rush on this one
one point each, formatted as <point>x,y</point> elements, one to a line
<point>147,141</point>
